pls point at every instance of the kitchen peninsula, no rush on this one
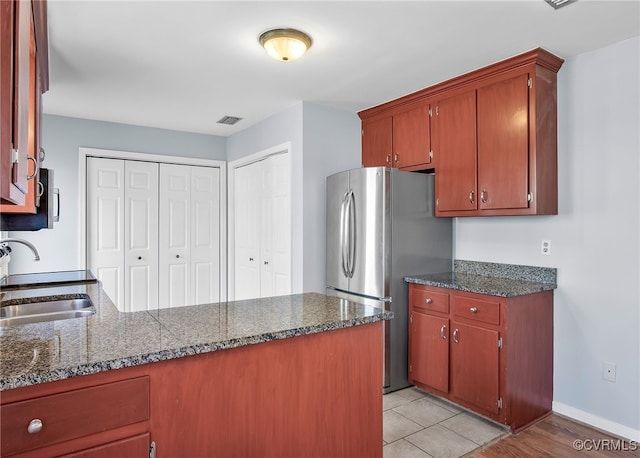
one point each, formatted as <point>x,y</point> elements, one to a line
<point>283,376</point>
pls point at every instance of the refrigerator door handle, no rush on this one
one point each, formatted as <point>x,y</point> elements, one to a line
<point>343,234</point>
<point>352,233</point>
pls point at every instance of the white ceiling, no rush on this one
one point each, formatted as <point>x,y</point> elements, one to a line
<point>183,65</point>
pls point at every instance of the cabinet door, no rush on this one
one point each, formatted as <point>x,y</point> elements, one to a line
<point>429,351</point>
<point>131,447</point>
<point>141,236</point>
<point>17,51</point>
<point>377,142</point>
<point>454,148</point>
<point>411,137</point>
<point>503,144</point>
<point>474,366</point>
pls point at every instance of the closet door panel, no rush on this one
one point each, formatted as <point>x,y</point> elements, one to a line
<point>205,235</point>
<point>105,224</point>
<point>281,224</point>
<point>248,184</point>
<point>175,214</point>
<point>141,236</point>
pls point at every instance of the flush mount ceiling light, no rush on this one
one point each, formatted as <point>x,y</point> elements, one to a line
<point>285,44</point>
<point>559,3</point>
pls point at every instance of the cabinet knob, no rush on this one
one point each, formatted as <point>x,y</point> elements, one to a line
<point>250,259</point>
<point>428,300</point>
<point>473,309</point>
<point>35,426</point>
<point>266,263</point>
<point>177,256</point>
<point>139,258</point>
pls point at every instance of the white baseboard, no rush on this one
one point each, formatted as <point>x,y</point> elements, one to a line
<point>597,422</point>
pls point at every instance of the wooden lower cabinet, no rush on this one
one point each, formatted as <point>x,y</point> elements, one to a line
<point>493,355</point>
<point>315,395</point>
<point>137,446</point>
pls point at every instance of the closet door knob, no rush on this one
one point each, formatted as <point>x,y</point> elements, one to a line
<point>177,256</point>
<point>139,258</point>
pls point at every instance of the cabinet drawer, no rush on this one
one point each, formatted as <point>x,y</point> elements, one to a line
<point>427,299</point>
<point>73,414</point>
<point>486,311</point>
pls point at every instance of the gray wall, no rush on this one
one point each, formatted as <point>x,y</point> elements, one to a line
<point>323,141</point>
<point>595,237</point>
<point>62,137</point>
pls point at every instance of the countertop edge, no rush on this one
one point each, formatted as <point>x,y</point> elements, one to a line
<point>21,381</point>
<point>523,287</point>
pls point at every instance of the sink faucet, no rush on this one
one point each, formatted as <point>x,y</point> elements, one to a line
<point>5,249</point>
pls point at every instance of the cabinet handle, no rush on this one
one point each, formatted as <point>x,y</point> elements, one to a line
<point>250,259</point>
<point>473,309</point>
<point>388,158</point>
<point>35,167</point>
<point>483,196</point>
<point>396,158</point>
<point>42,154</point>
<point>455,335</point>
<point>266,263</point>
<point>442,331</point>
<point>35,426</point>
<point>428,300</point>
<point>471,195</point>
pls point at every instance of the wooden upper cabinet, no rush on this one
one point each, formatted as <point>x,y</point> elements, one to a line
<point>377,142</point>
<point>411,137</point>
<point>503,144</point>
<point>400,139</point>
<point>454,146</point>
<point>494,137</point>
<point>24,75</point>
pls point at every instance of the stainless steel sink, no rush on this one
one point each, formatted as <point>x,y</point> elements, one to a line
<point>49,308</point>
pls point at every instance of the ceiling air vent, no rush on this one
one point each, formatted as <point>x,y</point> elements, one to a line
<point>229,120</point>
<point>559,3</point>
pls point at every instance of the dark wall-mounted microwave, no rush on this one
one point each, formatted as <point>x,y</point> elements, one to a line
<point>48,210</point>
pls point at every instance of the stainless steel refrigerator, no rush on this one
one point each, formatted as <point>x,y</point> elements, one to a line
<point>380,228</point>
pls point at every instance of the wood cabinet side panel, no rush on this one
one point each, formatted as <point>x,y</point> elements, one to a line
<point>543,147</point>
<point>528,342</point>
<point>319,393</point>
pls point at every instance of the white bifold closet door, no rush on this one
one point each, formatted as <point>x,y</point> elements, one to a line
<point>262,212</point>
<point>153,232</point>
<point>189,235</point>
<point>122,235</point>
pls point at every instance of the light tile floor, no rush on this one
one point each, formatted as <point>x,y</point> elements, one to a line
<point>419,425</point>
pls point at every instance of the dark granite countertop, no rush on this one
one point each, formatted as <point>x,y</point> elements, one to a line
<point>504,280</point>
<point>44,352</point>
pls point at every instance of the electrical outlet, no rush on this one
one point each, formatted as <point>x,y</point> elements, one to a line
<point>545,247</point>
<point>609,371</point>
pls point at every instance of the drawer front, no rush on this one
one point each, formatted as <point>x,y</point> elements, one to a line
<point>73,414</point>
<point>427,299</point>
<point>485,311</point>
